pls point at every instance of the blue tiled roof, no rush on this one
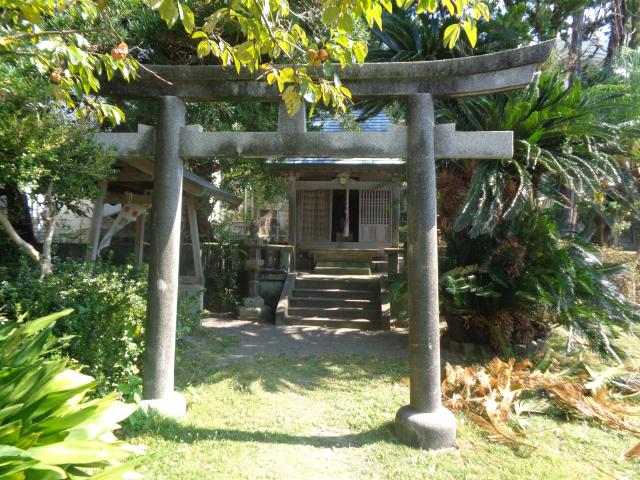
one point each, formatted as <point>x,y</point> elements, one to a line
<point>378,123</point>
<point>355,162</point>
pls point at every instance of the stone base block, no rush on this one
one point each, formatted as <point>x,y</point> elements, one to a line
<point>254,309</point>
<point>249,313</point>
<point>429,431</point>
<point>194,294</point>
<point>175,405</point>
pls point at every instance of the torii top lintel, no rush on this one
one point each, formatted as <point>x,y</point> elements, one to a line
<point>459,77</point>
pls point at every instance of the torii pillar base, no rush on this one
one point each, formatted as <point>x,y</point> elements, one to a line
<point>428,431</point>
<point>175,405</point>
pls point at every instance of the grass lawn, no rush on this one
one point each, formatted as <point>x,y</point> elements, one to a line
<point>331,418</point>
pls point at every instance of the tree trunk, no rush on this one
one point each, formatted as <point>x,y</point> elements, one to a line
<point>48,216</point>
<point>618,35</point>
<point>633,12</point>
<point>575,70</point>
<point>575,47</point>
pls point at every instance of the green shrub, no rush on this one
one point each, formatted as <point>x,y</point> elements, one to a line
<point>48,427</point>
<point>109,305</point>
<point>513,286</point>
<point>188,315</point>
<point>222,261</point>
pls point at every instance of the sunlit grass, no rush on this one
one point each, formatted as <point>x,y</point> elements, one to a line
<point>284,417</point>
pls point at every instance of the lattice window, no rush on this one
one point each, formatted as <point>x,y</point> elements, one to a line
<point>375,207</point>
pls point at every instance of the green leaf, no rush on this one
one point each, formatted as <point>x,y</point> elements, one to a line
<point>451,35</point>
<point>484,10</point>
<point>450,6</point>
<point>345,23</point>
<point>124,471</point>
<point>77,452</point>
<point>472,32</point>
<point>9,451</point>
<point>38,324</point>
<point>188,19</point>
<point>33,349</point>
<point>292,100</point>
<point>427,6</point>
<point>204,48</point>
<point>346,42</point>
<point>168,12</point>
<point>360,50</point>
<point>330,15</point>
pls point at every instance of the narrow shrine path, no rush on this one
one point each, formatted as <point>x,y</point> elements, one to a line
<point>258,339</point>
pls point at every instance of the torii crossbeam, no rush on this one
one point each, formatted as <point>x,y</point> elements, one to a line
<point>424,422</point>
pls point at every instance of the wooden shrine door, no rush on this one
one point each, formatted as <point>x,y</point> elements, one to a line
<point>375,215</point>
<point>315,215</point>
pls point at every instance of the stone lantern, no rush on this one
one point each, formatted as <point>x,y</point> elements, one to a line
<point>253,307</point>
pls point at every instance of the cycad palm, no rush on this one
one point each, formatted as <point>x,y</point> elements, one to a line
<point>562,137</point>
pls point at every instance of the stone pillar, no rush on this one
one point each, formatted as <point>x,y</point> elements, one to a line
<point>395,217</point>
<point>424,422</point>
<point>292,197</point>
<point>393,262</point>
<point>295,124</point>
<point>162,301</point>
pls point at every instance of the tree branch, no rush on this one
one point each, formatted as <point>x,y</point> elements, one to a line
<point>31,252</point>
<point>53,33</point>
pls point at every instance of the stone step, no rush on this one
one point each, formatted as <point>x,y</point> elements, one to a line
<point>336,284</point>
<point>369,294</point>
<point>345,255</point>
<point>379,266</point>
<point>335,312</point>
<point>359,323</point>
<point>360,279</point>
<point>342,270</point>
<point>339,301</point>
<point>342,264</point>
<point>323,301</point>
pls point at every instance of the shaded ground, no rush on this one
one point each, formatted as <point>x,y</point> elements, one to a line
<point>256,339</point>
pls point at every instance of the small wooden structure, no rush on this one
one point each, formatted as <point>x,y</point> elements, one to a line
<point>133,184</point>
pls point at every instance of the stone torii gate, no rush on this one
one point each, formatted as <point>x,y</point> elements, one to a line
<point>423,422</point>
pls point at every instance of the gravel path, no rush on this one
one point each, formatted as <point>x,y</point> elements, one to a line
<point>257,339</point>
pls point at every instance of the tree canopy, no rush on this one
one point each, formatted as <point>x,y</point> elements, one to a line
<point>75,43</point>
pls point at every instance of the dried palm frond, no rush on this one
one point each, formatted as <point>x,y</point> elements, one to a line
<point>491,396</point>
<point>628,384</point>
<point>633,451</point>
<point>487,395</point>
<point>497,431</point>
<point>596,407</point>
<point>599,379</point>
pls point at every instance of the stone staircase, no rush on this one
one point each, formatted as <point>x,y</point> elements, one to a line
<point>333,298</point>
<point>334,267</point>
